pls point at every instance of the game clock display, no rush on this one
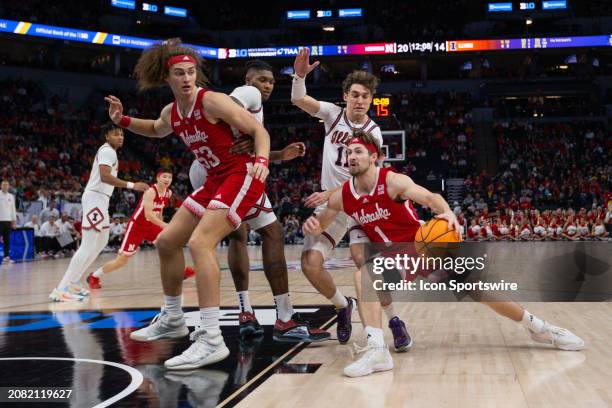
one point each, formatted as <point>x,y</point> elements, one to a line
<point>382,107</point>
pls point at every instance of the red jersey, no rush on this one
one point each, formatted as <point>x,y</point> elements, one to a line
<point>209,142</point>
<point>159,203</point>
<point>382,218</point>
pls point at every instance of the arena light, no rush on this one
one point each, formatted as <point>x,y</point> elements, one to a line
<point>496,7</point>
<point>329,28</point>
<point>298,14</point>
<point>528,21</point>
<point>126,4</point>
<point>554,5</point>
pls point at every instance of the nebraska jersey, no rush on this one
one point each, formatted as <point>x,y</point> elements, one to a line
<point>159,203</point>
<point>338,130</point>
<point>209,142</point>
<point>382,218</point>
<point>250,99</point>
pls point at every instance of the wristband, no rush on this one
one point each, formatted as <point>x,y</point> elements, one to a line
<point>130,185</point>
<point>262,160</point>
<point>125,121</point>
<point>298,87</point>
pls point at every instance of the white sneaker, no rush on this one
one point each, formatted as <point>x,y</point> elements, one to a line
<point>64,296</point>
<point>78,289</point>
<point>163,326</point>
<point>375,358</point>
<point>205,350</point>
<point>557,336</point>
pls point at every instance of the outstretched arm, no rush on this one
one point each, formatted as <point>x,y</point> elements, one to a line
<point>315,225</point>
<point>157,128</point>
<point>107,177</point>
<point>302,67</point>
<point>290,152</point>
<point>402,187</point>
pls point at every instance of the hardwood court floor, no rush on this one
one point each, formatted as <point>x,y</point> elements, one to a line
<point>464,355</point>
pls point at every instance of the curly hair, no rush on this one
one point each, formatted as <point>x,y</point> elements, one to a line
<point>151,70</point>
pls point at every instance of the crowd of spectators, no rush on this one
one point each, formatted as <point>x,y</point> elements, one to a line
<point>562,224</point>
<point>548,167</point>
<point>47,147</point>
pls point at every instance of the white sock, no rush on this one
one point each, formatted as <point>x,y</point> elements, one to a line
<point>244,302</point>
<point>339,300</point>
<point>389,311</point>
<point>209,320</point>
<point>172,304</point>
<point>374,335</point>
<point>284,308</point>
<point>532,322</point>
<point>98,273</point>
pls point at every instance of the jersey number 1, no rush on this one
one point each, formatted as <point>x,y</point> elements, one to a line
<point>342,159</point>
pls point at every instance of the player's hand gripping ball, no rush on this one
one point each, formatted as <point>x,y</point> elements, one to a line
<point>436,239</point>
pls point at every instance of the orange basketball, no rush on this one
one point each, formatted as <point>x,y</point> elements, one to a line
<point>434,238</point>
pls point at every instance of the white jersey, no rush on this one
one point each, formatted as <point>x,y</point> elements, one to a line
<point>250,99</point>
<point>338,130</point>
<point>108,156</point>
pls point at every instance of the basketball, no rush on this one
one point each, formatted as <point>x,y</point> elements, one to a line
<point>434,238</point>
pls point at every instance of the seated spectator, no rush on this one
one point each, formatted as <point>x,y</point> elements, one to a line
<point>34,224</point>
<point>117,231</point>
<point>50,211</point>
<point>49,232</point>
<point>599,232</point>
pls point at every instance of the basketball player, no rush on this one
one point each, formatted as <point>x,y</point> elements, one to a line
<point>203,120</point>
<point>145,224</point>
<point>259,84</point>
<point>379,200</point>
<point>96,222</point>
<point>358,89</point>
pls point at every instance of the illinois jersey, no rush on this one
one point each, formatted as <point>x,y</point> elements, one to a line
<point>338,130</point>
<point>105,155</point>
<point>209,142</point>
<point>381,218</point>
<point>159,203</point>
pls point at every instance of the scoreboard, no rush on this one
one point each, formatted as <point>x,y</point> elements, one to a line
<point>382,48</point>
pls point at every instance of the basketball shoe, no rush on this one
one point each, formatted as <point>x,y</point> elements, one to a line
<point>249,326</point>
<point>206,349</point>
<point>344,326</point>
<point>65,296</point>
<point>94,282</point>
<point>557,336</point>
<point>79,289</point>
<point>374,357</point>
<point>298,330</point>
<point>163,326</point>
<point>401,339</point>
